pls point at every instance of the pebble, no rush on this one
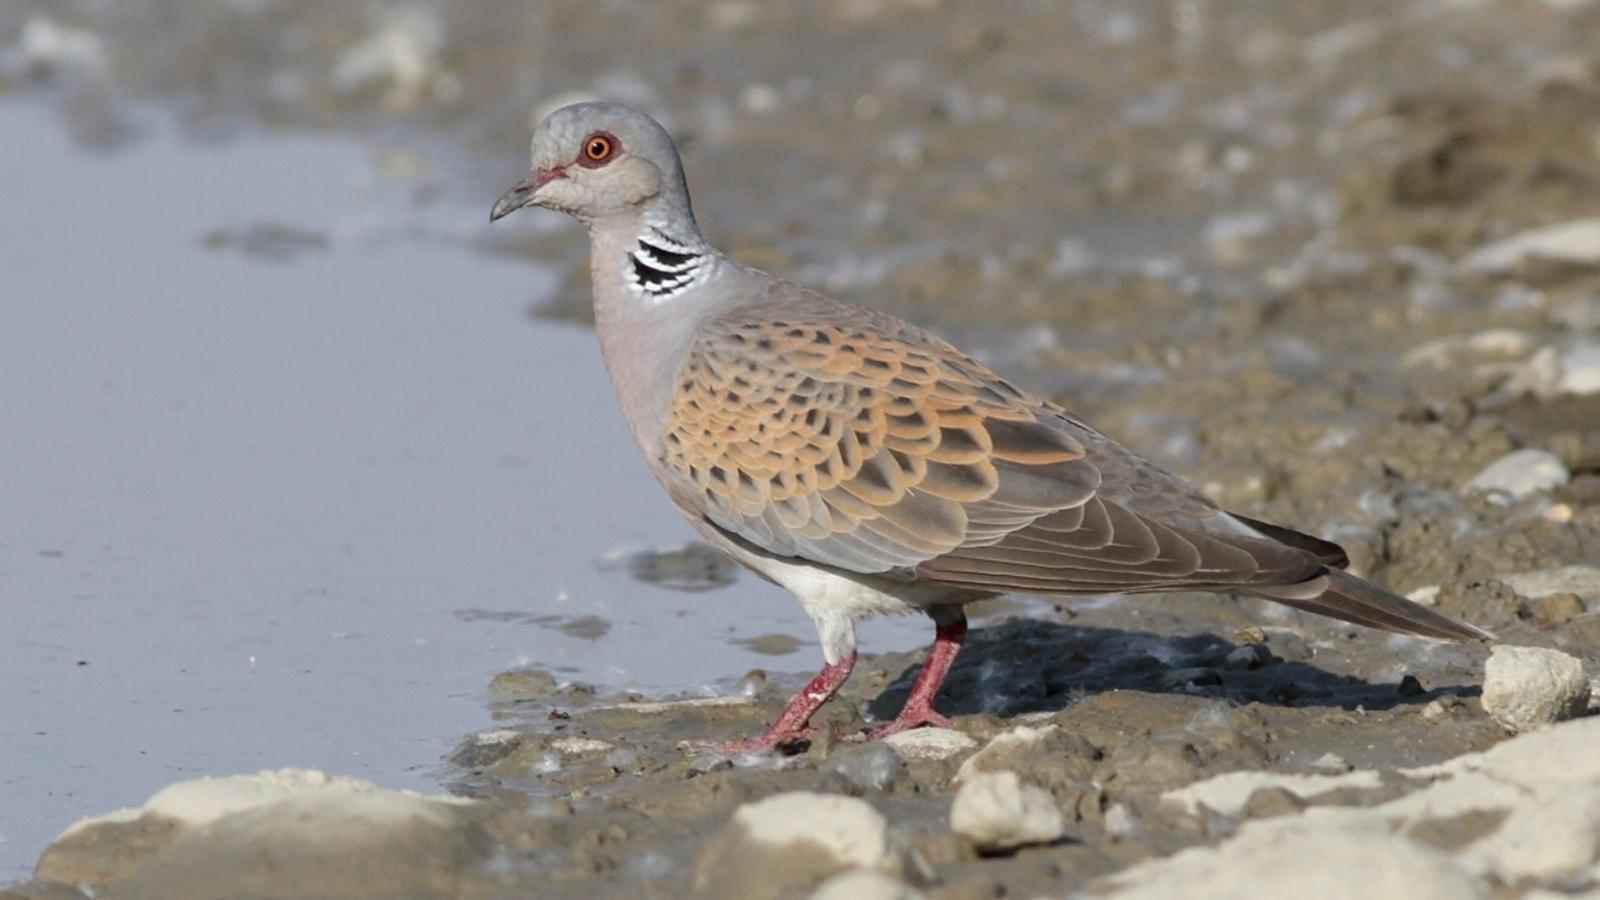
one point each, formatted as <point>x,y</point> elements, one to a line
<point>1529,687</point>
<point>1005,745</point>
<point>1581,580</point>
<point>1120,822</point>
<point>1427,595</point>
<point>999,811</point>
<point>923,744</point>
<point>1520,473</point>
<point>1576,243</point>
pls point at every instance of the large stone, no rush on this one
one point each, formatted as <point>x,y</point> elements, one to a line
<point>1528,687</point>
<point>921,744</point>
<point>1328,854</point>
<point>1229,792</point>
<point>286,833</point>
<point>789,843</point>
<point>1520,473</point>
<point>999,811</point>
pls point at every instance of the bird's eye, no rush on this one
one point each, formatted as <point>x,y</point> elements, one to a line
<point>598,149</point>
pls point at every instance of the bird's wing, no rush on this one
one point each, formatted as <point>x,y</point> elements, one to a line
<point>822,431</point>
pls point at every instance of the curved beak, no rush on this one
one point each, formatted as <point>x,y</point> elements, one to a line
<point>523,193</point>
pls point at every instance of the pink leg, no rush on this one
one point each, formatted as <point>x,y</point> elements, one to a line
<point>795,722</point>
<point>918,710</point>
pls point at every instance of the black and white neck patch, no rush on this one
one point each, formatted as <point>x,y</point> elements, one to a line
<point>660,268</point>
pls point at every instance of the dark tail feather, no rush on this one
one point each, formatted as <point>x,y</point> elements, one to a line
<point>1330,553</point>
<point>1350,599</point>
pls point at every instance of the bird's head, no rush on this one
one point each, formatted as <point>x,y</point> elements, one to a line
<point>596,161</point>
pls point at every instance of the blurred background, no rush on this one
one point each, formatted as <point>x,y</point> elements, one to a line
<point>297,452</point>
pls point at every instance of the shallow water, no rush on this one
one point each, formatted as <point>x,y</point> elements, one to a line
<point>290,474</point>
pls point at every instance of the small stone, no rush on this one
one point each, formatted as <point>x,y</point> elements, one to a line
<point>1520,473</point>
<point>1427,595</point>
<point>1120,822</point>
<point>1410,687</point>
<point>523,684</point>
<point>791,842</point>
<point>1251,634</point>
<point>1005,746</point>
<point>1268,802</point>
<point>1332,763</point>
<point>866,884</point>
<point>998,811</point>
<point>1559,513</point>
<point>922,744</point>
<point>1529,687</point>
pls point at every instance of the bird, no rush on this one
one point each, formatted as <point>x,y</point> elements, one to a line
<point>869,466</point>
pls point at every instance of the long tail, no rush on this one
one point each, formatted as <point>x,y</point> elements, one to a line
<point>1340,595</point>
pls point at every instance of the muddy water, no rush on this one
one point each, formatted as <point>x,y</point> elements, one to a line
<point>299,487</point>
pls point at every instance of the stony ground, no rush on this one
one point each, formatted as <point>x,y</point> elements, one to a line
<point>1335,262</point>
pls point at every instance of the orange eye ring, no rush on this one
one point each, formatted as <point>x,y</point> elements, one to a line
<point>598,149</point>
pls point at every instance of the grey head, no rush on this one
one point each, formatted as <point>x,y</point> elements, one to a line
<point>600,162</point>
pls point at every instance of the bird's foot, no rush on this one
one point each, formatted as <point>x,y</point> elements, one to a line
<point>772,741</point>
<point>909,719</point>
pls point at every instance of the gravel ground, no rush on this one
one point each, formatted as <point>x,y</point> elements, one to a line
<point>1335,262</point>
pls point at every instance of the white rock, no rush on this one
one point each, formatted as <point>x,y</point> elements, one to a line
<point>997,811</point>
<point>849,830</point>
<point>1581,580</point>
<point>865,884</point>
<point>580,746</point>
<point>1229,792</point>
<point>929,743</point>
<point>1549,759</point>
<point>1427,595</point>
<point>1554,835</point>
<point>1120,822</point>
<point>1441,353</point>
<point>1527,687</point>
<point>1333,855</point>
<point>1005,741</point>
<point>47,44</point>
<point>1553,372</point>
<point>1580,370</point>
<point>203,801</point>
<point>667,706</point>
<point>1520,473</point>
<point>1233,237</point>
<point>1576,242</point>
